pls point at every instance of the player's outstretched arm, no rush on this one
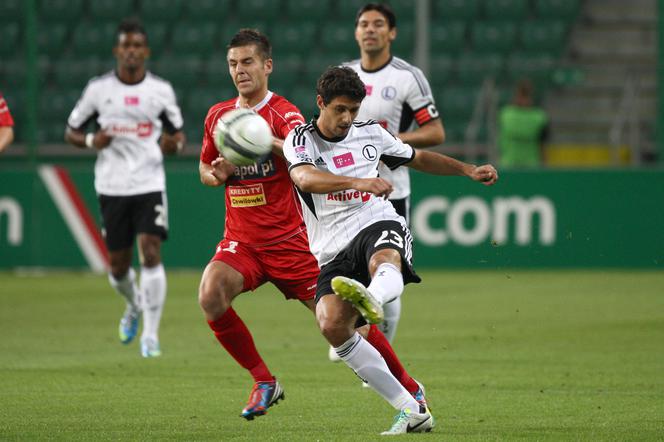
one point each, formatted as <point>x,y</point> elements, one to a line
<point>311,180</point>
<point>439,164</point>
<point>82,140</point>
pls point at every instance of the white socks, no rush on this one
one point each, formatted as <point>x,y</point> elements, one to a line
<point>153,288</point>
<point>391,315</point>
<point>386,283</point>
<point>127,288</point>
<point>369,365</point>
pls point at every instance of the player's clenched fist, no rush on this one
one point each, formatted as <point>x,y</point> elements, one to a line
<point>377,186</point>
<point>486,174</point>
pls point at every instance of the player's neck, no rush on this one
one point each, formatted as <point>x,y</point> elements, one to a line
<point>373,62</point>
<point>253,99</point>
<point>131,76</point>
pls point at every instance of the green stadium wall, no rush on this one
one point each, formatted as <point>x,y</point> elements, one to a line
<point>539,219</point>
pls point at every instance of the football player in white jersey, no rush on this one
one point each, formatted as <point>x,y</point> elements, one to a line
<point>399,98</point>
<point>137,119</point>
<point>362,245</point>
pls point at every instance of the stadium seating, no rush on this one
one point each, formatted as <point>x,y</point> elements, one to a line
<point>111,10</point>
<point>506,9</point>
<point>9,38</point>
<point>473,68</point>
<point>249,10</point>
<point>470,40</point>
<point>161,10</point>
<point>67,12</point>
<point>447,37</point>
<point>194,38</point>
<point>306,11</point>
<point>51,39</point>
<point>217,10</point>
<point>543,36</point>
<point>11,11</point>
<point>75,72</point>
<point>493,36</point>
<point>294,38</point>
<point>563,9</point>
<point>456,9</point>
<point>94,38</point>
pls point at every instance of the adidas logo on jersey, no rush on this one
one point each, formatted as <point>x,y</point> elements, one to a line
<point>320,161</point>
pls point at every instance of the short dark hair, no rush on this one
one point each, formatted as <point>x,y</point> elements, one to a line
<point>382,8</point>
<point>245,37</point>
<point>130,25</point>
<point>340,82</point>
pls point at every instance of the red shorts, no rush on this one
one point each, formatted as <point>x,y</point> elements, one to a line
<point>288,264</point>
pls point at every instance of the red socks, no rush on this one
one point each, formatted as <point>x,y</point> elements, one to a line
<point>235,337</point>
<point>380,343</point>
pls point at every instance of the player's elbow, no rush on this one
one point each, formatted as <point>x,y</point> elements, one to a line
<point>437,136</point>
<point>302,181</point>
<point>441,136</point>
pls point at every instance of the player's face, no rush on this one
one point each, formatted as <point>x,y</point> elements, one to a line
<point>337,116</point>
<point>131,50</point>
<point>248,70</point>
<point>373,33</point>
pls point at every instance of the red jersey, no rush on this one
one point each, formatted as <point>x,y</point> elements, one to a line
<point>261,205</point>
<point>5,117</point>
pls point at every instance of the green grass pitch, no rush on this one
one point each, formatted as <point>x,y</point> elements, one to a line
<point>510,355</point>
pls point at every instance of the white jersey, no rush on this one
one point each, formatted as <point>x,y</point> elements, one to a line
<point>334,219</point>
<point>134,115</point>
<point>398,96</point>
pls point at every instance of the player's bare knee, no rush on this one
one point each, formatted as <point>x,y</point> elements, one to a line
<point>336,330</point>
<point>382,256</point>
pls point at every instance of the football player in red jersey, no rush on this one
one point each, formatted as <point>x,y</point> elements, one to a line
<point>6,125</point>
<point>261,203</point>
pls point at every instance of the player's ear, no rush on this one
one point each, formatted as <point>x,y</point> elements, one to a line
<point>268,66</point>
<point>392,35</point>
<point>319,102</point>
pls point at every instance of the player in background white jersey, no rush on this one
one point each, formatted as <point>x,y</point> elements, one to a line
<point>137,118</point>
<point>356,235</point>
<point>399,98</point>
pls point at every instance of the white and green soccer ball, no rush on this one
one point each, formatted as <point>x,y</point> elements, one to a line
<point>242,137</point>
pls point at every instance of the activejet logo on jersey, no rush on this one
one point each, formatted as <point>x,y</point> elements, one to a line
<point>247,196</point>
<point>344,160</point>
<point>253,171</point>
<point>131,101</point>
<point>141,130</point>
<point>348,197</point>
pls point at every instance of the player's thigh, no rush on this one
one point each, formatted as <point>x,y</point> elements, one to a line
<point>150,214</point>
<point>219,283</point>
<point>292,268</point>
<point>117,228</point>
<point>386,239</point>
<point>242,259</point>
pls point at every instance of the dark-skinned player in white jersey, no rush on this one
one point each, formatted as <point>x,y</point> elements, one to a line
<point>137,119</point>
<point>362,245</point>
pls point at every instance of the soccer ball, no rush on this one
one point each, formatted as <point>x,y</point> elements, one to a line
<point>242,137</point>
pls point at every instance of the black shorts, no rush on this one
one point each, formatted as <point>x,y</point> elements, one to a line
<point>124,217</point>
<point>402,206</point>
<point>353,261</point>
